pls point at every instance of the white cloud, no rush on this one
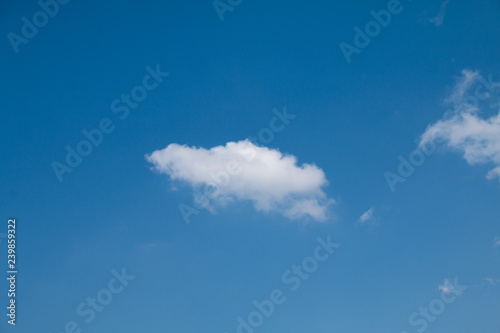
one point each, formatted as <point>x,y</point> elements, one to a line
<point>446,287</point>
<point>496,242</point>
<point>462,86</point>
<point>367,217</point>
<point>465,130</point>
<point>492,281</point>
<point>449,287</point>
<point>245,172</point>
<point>438,19</point>
<point>494,173</point>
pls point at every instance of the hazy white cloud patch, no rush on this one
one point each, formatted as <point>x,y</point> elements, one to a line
<point>466,129</point>
<point>464,83</point>
<point>368,218</point>
<point>494,173</point>
<point>496,242</point>
<point>438,19</point>
<point>492,281</point>
<point>454,287</point>
<point>242,171</point>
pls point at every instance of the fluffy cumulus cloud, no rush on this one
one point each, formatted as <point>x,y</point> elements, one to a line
<point>242,171</point>
<point>466,129</point>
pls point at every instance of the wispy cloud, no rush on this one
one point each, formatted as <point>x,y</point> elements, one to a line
<point>496,242</point>
<point>464,83</point>
<point>492,281</point>
<point>478,139</point>
<point>368,217</point>
<point>454,287</point>
<point>465,130</point>
<point>438,19</point>
<point>242,171</point>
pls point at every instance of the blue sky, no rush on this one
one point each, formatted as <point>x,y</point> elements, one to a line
<point>323,174</point>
